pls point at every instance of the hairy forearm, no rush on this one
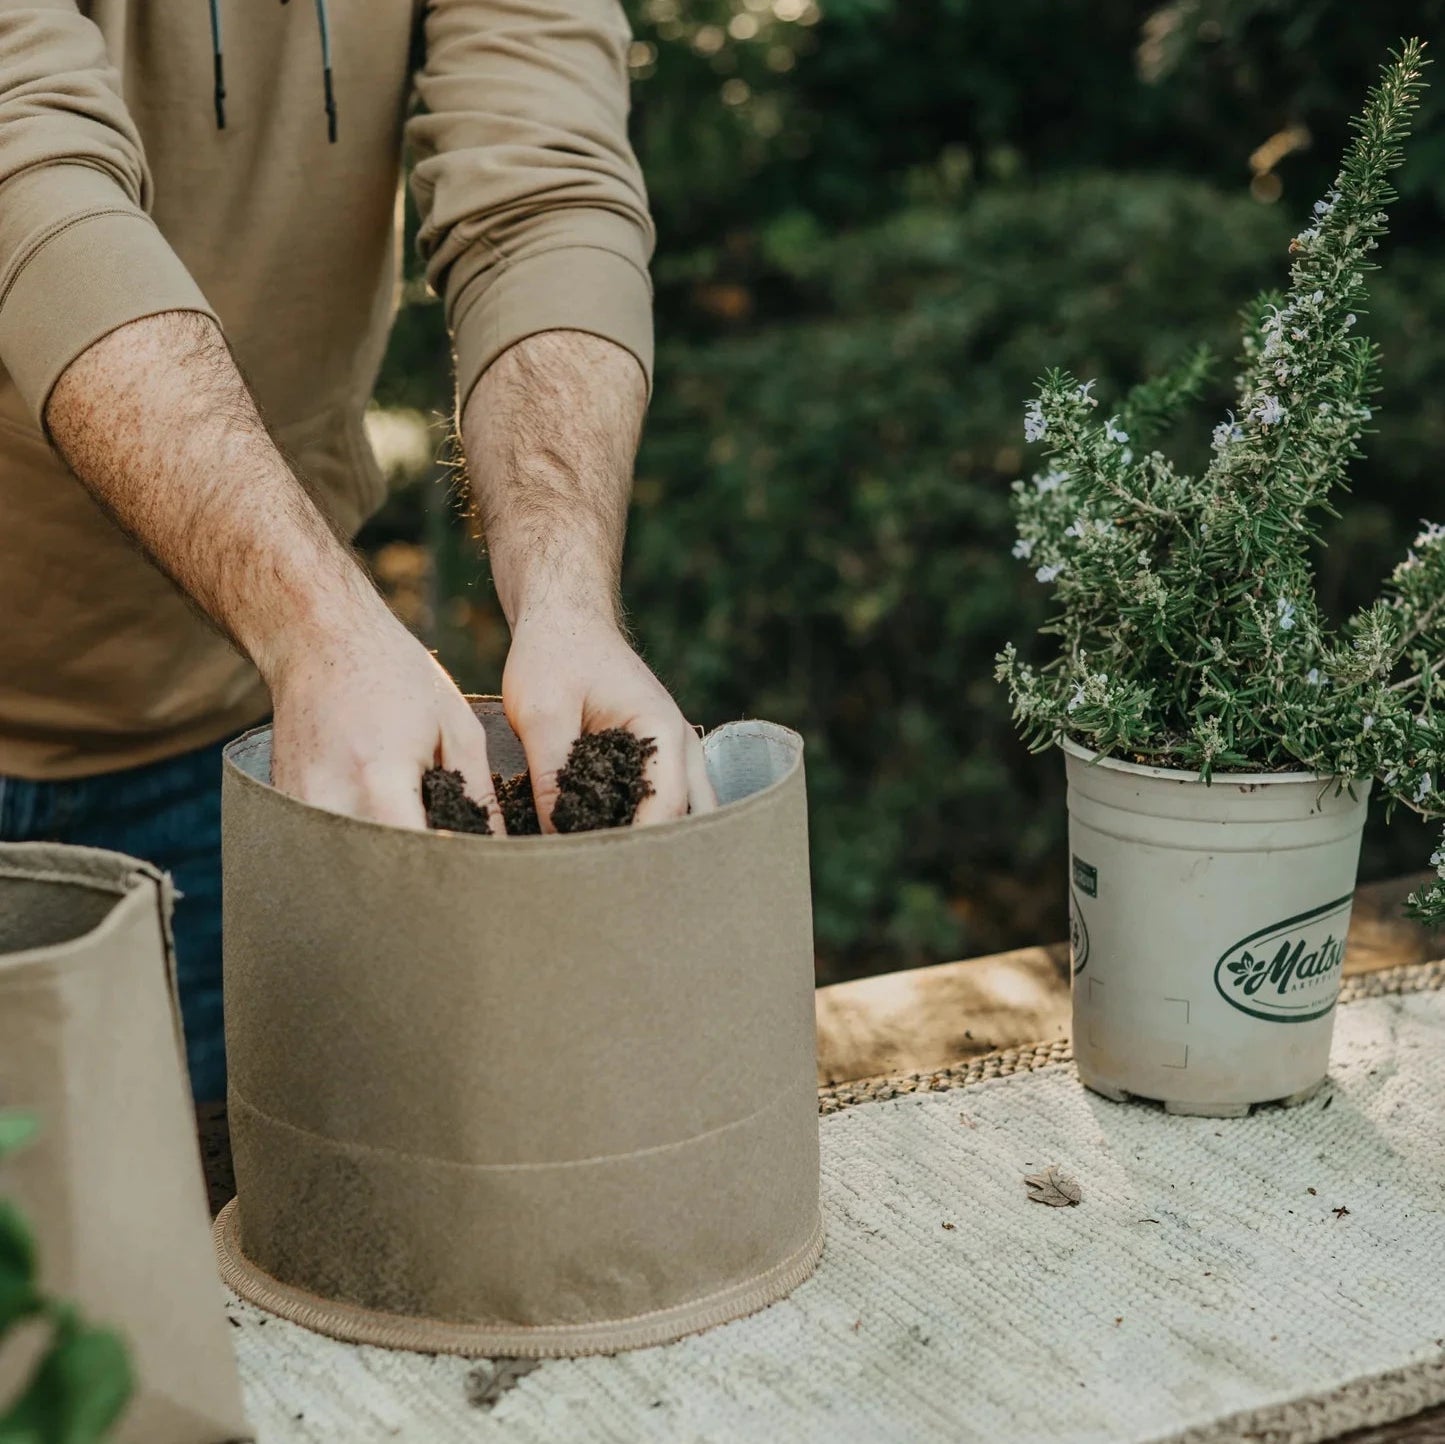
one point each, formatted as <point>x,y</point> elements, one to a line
<point>550,435</point>
<point>157,422</point>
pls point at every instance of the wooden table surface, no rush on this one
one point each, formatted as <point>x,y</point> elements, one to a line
<point>931,1018</point>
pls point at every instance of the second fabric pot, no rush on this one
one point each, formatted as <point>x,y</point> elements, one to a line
<point>90,1047</point>
<point>529,1096</point>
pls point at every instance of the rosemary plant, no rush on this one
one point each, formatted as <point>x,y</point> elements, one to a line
<point>1188,631</point>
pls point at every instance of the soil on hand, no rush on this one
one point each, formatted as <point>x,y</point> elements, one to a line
<point>601,785</point>
<point>519,807</point>
<point>448,808</point>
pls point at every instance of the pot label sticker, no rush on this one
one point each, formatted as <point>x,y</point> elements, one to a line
<point>1086,877</point>
<point>1078,934</point>
<point>1288,972</point>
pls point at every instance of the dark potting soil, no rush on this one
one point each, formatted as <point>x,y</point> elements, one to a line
<point>443,794</point>
<point>602,785</point>
<point>519,807</point>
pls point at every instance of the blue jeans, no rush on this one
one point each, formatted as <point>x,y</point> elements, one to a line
<point>169,814</point>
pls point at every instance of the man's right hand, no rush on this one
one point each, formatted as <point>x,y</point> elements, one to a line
<point>360,718</point>
<point>156,421</point>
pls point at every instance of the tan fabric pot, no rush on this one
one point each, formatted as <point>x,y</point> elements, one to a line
<point>533,1096</point>
<point>90,1045</point>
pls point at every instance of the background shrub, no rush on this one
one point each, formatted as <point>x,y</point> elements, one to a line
<point>880,220</point>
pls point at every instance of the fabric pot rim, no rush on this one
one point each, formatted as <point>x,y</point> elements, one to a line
<point>124,877</point>
<point>657,833</point>
<point>1070,748</point>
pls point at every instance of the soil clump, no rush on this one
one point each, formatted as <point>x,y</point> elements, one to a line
<point>601,786</point>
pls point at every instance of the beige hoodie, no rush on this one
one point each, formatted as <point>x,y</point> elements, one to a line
<point>120,197</point>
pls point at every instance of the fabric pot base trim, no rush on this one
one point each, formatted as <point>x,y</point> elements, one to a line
<point>357,1325</point>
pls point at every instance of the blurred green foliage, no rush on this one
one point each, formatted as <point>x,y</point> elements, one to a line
<point>879,221</point>
<point>82,1379</point>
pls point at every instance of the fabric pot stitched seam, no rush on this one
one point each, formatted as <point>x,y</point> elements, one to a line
<point>356,1145</point>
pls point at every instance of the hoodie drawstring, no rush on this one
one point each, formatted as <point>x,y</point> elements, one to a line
<point>323,24</point>
<point>217,54</point>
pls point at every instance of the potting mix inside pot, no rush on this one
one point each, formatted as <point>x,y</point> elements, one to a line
<point>534,1095</point>
<point>1209,925</point>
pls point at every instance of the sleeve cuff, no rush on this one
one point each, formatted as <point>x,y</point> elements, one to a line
<point>571,288</point>
<point>91,274</point>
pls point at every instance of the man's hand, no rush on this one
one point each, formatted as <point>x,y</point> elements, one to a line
<point>570,674</point>
<point>360,719</point>
<point>156,421</point>
<point>550,433</point>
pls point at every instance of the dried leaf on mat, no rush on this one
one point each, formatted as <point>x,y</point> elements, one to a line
<point>1054,1187</point>
<point>489,1381</point>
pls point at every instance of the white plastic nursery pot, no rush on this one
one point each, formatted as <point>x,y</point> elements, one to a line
<point>1209,925</point>
<point>526,1096</point>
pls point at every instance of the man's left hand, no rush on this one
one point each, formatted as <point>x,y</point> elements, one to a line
<point>574,672</point>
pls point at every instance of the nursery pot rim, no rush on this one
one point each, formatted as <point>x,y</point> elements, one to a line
<point>1171,774</point>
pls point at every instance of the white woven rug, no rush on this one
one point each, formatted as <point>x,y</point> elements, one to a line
<point>1280,1278</point>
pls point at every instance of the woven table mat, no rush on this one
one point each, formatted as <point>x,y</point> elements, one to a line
<point>1274,1278</point>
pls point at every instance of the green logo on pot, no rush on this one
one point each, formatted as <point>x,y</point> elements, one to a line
<point>1288,972</point>
<point>1078,934</point>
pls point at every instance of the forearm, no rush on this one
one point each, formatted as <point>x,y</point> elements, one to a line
<point>550,434</point>
<point>157,422</point>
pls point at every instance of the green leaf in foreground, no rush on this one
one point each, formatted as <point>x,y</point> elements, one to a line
<point>18,1297</point>
<point>82,1382</point>
<point>16,1130</point>
<point>78,1390</point>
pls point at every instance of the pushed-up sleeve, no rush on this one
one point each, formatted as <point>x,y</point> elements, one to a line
<point>533,211</point>
<point>79,255</point>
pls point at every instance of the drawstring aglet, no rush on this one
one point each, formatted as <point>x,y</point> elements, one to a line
<point>220,93</point>
<point>323,26</point>
<point>220,71</point>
